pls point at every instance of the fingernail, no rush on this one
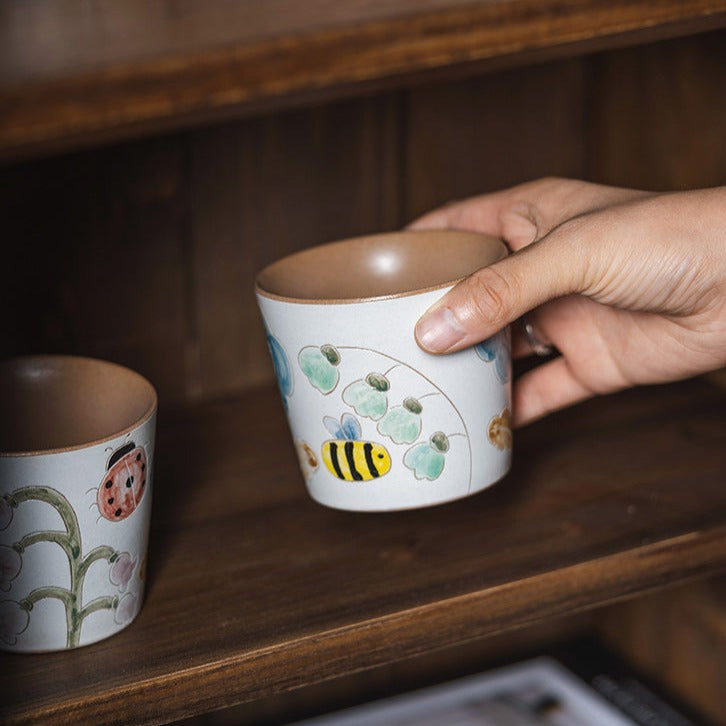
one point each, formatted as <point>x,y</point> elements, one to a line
<point>438,330</point>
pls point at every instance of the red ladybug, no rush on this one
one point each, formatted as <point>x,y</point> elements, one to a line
<point>123,486</point>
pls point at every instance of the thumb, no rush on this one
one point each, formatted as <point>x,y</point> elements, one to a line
<point>495,296</point>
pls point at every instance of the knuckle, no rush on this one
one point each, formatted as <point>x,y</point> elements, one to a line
<point>522,223</point>
<point>552,180</point>
<point>577,239</point>
<point>491,294</point>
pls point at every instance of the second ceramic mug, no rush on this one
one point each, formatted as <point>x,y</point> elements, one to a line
<point>76,459</point>
<point>379,424</point>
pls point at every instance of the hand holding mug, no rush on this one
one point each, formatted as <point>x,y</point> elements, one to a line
<point>628,286</point>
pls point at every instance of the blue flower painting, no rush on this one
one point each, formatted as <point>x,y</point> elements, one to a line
<point>283,370</point>
<point>496,350</point>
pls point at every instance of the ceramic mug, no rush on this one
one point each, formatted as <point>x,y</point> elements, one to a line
<point>379,424</point>
<point>76,456</point>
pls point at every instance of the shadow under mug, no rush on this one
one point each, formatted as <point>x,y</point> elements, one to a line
<point>76,459</point>
<point>379,424</point>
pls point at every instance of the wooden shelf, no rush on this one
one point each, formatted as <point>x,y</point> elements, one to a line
<point>78,73</point>
<point>253,589</point>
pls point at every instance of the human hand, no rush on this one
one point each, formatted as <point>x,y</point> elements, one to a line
<point>629,286</point>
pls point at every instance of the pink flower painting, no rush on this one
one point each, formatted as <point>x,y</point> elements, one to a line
<point>6,513</point>
<point>13,621</point>
<point>10,564</point>
<point>127,608</point>
<point>122,570</point>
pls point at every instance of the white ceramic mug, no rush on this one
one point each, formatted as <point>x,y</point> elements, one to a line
<point>379,424</point>
<point>76,458</point>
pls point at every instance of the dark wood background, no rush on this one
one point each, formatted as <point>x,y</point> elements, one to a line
<point>145,252</point>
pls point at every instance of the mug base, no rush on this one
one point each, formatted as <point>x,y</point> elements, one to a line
<point>378,507</point>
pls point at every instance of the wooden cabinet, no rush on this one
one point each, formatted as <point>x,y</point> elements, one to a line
<point>188,146</point>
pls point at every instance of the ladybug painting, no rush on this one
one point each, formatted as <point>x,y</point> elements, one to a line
<point>124,483</point>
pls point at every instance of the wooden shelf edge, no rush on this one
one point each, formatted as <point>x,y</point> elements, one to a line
<point>172,92</point>
<point>399,635</point>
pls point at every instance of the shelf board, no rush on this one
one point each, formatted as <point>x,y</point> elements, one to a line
<point>253,589</point>
<point>73,74</point>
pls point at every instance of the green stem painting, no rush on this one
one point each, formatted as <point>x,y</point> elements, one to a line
<point>70,542</point>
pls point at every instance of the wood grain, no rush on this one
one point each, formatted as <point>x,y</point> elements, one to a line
<point>95,243</point>
<point>254,589</point>
<point>475,135</point>
<point>654,115</point>
<point>392,679</point>
<point>679,639</point>
<point>264,188</point>
<point>102,72</point>
<point>197,213</point>
<point>195,216</point>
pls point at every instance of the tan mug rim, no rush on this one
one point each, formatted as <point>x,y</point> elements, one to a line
<point>309,263</point>
<point>145,389</point>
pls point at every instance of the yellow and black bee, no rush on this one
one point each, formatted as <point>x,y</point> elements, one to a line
<point>349,458</point>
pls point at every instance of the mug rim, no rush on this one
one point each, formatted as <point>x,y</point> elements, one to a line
<point>492,241</point>
<point>151,409</point>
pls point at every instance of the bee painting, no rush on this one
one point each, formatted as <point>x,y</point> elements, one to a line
<point>348,457</point>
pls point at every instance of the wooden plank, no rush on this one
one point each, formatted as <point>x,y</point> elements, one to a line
<point>79,73</point>
<point>47,39</point>
<point>254,589</point>
<point>392,679</point>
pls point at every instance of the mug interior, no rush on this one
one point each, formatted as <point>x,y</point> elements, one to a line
<point>59,402</point>
<point>383,265</point>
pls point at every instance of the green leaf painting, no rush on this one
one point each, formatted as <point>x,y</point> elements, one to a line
<point>402,423</point>
<point>368,396</point>
<point>426,460</point>
<point>320,366</point>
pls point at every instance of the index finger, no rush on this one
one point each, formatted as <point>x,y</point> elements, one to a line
<point>482,213</point>
<point>525,213</point>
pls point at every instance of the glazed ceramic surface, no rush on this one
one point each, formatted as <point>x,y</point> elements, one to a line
<point>378,424</point>
<point>74,513</point>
